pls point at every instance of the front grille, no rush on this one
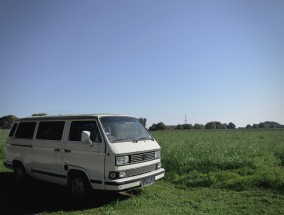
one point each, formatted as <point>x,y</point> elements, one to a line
<point>142,157</point>
<point>139,171</point>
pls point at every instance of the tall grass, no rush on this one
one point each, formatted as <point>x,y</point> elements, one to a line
<point>236,159</point>
<point>3,137</point>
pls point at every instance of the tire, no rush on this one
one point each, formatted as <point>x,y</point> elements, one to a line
<point>79,186</point>
<point>20,175</point>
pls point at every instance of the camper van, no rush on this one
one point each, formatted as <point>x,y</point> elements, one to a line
<point>84,152</point>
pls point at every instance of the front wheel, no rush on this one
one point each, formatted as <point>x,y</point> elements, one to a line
<point>79,187</point>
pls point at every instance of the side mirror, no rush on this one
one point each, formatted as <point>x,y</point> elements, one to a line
<point>85,137</point>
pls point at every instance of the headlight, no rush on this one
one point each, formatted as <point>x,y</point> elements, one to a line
<point>157,154</point>
<point>114,175</point>
<point>122,160</point>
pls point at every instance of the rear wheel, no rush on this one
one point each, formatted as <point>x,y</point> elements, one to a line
<point>20,174</point>
<point>79,186</point>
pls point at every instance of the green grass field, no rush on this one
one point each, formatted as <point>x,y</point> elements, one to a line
<point>207,172</point>
<point>238,159</point>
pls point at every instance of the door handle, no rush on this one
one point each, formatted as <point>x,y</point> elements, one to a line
<point>57,150</point>
<point>67,150</point>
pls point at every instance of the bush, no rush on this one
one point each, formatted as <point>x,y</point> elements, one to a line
<point>157,127</point>
<point>6,122</point>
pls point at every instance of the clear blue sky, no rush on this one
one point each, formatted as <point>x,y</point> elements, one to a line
<point>211,60</point>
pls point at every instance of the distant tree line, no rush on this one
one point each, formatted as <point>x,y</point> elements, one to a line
<point>209,125</point>
<point>212,125</point>
<point>266,124</point>
<point>219,125</point>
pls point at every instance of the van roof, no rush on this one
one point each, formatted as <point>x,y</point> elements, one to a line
<point>67,117</point>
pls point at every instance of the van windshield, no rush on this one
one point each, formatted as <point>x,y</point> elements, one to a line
<point>123,129</point>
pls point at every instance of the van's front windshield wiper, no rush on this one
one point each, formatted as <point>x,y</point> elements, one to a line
<point>122,139</point>
<point>142,138</point>
<point>133,140</point>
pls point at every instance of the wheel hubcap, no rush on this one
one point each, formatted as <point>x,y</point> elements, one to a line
<point>78,188</point>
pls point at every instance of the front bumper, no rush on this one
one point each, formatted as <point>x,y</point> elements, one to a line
<point>131,182</point>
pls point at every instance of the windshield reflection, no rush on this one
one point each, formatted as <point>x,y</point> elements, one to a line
<point>122,129</point>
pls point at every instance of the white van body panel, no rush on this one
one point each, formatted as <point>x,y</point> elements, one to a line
<point>54,160</point>
<point>130,147</point>
<point>19,151</point>
<point>46,156</point>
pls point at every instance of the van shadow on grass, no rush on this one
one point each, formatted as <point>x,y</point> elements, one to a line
<point>36,197</point>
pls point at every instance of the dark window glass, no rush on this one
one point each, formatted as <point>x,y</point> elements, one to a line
<point>11,134</point>
<point>50,130</point>
<point>25,130</point>
<point>78,126</point>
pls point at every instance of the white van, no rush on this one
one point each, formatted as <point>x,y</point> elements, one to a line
<point>98,151</point>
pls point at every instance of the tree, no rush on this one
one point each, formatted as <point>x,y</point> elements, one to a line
<point>268,124</point>
<point>248,126</point>
<point>210,125</point>
<point>263,125</point>
<point>179,127</point>
<point>39,114</point>
<point>161,126</point>
<point>143,121</point>
<point>218,125</point>
<point>187,126</point>
<point>6,122</point>
<point>231,125</point>
<point>157,127</point>
<point>255,125</point>
<point>153,127</point>
<point>198,126</point>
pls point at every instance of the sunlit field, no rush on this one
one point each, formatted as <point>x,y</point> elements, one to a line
<point>231,159</point>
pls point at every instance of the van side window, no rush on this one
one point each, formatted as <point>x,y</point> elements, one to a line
<point>25,130</point>
<point>11,134</point>
<point>50,130</point>
<point>78,126</point>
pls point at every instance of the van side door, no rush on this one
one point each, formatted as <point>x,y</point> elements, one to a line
<point>46,155</point>
<point>84,156</point>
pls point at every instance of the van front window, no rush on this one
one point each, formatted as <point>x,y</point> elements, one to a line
<point>122,129</point>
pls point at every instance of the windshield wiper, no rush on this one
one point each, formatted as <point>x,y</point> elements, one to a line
<point>142,138</point>
<point>133,140</point>
<point>118,140</point>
